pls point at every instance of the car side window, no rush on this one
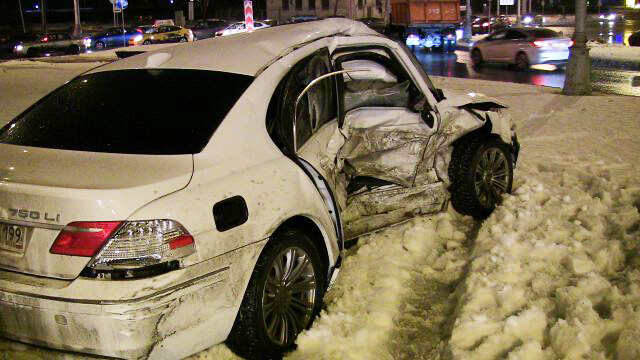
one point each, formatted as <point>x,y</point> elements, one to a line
<point>515,35</point>
<point>316,108</point>
<point>497,36</point>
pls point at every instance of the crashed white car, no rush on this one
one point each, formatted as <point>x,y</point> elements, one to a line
<point>157,229</point>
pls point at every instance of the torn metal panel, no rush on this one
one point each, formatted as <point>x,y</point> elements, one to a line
<point>384,143</point>
<point>391,204</point>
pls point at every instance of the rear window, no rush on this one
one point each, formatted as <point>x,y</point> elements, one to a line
<point>541,33</point>
<point>149,111</point>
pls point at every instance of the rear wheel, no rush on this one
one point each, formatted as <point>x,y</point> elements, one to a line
<point>522,61</point>
<point>481,170</point>
<point>146,42</point>
<point>183,39</point>
<point>283,297</point>
<point>476,57</point>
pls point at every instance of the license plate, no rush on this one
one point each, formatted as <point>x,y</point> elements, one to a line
<point>12,237</point>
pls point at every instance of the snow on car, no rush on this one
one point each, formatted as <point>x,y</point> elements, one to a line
<point>152,231</point>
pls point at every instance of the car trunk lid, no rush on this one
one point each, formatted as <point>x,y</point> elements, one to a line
<point>42,190</point>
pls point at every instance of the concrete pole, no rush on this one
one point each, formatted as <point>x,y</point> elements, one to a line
<point>467,23</point>
<point>578,77</point>
<point>77,28</point>
<point>519,5</point>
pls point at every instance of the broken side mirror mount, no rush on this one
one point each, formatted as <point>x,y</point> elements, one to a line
<point>304,92</point>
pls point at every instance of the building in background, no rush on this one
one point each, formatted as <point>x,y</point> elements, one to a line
<point>283,10</point>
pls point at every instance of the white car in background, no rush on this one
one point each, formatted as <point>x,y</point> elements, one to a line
<point>522,47</point>
<point>158,231</point>
<point>241,27</point>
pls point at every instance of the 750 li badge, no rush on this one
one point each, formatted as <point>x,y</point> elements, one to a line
<point>33,215</point>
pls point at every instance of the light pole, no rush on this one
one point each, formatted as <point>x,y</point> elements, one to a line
<point>467,22</point>
<point>578,78</point>
<point>24,30</point>
<point>77,28</point>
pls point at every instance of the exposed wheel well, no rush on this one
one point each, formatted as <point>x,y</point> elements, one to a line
<point>310,228</point>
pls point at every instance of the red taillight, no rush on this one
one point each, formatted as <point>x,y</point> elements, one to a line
<point>83,238</point>
<point>180,241</point>
<point>139,30</point>
<point>45,39</point>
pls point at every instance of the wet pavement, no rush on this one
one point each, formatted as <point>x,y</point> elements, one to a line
<point>458,64</point>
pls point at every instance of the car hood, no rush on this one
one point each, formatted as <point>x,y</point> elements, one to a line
<point>459,99</point>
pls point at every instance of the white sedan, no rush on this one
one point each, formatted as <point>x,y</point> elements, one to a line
<point>522,47</point>
<point>160,230</point>
<point>241,27</point>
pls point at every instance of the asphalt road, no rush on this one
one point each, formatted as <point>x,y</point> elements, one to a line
<point>458,64</point>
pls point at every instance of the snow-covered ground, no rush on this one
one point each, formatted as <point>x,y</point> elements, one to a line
<point>553,273</point>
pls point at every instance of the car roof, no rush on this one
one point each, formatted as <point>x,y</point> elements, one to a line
<point>257,49</point>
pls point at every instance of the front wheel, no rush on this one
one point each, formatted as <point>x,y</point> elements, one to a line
<point>183,39</point>
<point>283,297</point>
<point>146,42</point>
<point>73,50</point>
<point>99,45</point>
<point>481,170</point>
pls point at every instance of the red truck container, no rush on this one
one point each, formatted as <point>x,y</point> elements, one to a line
<point>428,23</point>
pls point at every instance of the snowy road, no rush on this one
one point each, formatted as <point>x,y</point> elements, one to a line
<point>553,273</point>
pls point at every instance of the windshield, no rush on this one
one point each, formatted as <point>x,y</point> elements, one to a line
<point>418,67</point>
<point>159,111</point>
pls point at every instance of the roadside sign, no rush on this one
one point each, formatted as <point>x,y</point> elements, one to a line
<point>119,5</point>
<point>248,15</point>
<point>506,2</point>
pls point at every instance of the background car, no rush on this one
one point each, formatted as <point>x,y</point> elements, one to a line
<point>113,37</point>
<point>162,34</point>
<point>522,47</point>
<point>145,29</point>
<point>52,42</point>
<point>301,18</point>
<point>207,28</point>
<point>9,41</point>
<point>480,25</point>
<point>500,22</point>
<point>240,27</point>
<point>610,17</point>
<point>532,20</point>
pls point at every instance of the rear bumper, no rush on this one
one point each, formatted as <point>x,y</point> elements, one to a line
<point>169,316</point>
<point>550,57</point>
<point>126,329</point>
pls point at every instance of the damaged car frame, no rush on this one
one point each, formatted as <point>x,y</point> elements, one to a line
<point>173,228</point>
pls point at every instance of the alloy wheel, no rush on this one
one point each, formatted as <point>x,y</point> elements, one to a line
<point>491,176</point>
<point>289,295</point>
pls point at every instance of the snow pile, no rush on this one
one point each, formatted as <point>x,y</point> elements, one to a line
<point>550,278</point>
<point>387,295</point>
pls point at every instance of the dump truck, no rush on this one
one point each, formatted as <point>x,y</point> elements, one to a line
<point>426,23</point>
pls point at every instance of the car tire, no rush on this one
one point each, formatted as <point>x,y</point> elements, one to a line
<point>73,50</point>
<point>146,42</point>
<point>480,171</point>
<point>522,61</point>
<point>476,57</point>
<point>183,39</point>
<point>99,45</point>
<point>251,336</point>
